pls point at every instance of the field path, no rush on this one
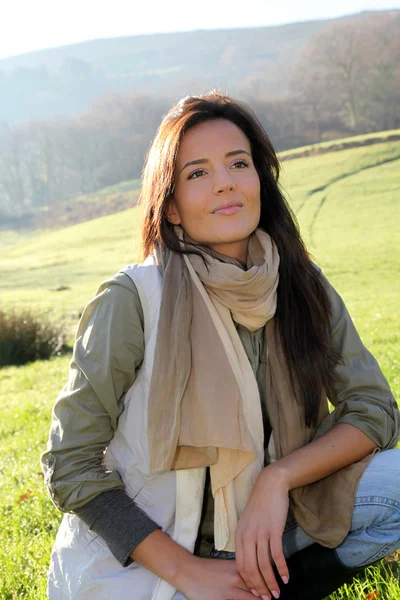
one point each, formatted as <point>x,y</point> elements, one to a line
<point>332,182</point>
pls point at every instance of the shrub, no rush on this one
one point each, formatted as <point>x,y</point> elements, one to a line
<point>25,337</point>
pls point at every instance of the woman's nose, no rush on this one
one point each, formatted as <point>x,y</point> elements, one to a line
<point>223,184</point>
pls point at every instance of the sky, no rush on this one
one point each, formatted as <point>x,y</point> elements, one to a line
<point>28,25</point>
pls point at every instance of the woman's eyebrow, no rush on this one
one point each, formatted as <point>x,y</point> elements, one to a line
<point>200,161</point>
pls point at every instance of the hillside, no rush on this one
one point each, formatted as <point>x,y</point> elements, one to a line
<point>125,194</point>
<point>65,80</point>
<point>348,209</point>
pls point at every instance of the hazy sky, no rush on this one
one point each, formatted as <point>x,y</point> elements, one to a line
<point>28,25</point>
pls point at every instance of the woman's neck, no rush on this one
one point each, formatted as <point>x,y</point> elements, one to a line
<point>238,251</point>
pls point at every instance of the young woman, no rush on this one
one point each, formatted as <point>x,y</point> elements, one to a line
<point>195,425</point>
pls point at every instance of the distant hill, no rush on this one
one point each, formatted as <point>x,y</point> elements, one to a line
<point>64,81</point>
<point>125,194</point>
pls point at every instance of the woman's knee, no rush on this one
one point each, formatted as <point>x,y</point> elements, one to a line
<point>381,478</point>
<point>377,502</point>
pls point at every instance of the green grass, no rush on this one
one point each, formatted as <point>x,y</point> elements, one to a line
<point>29,522</point>
<point>348,208</point>
<point>14,237</point>
<point>77,258</point>
<point>131,185</point>
<point>334,144</point>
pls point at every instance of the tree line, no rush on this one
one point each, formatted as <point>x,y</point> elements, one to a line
<point>346,82</point>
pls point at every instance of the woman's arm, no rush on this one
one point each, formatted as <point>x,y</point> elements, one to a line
<point>259,534</point>
<point>360,394</point>
<point>365,417</point>
<point>338,448</point>
<point>108,350</point>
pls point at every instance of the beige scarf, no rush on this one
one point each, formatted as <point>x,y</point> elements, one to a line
<point>204,406</point>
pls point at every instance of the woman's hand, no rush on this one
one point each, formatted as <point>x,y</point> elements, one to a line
<point>212,579</point>
<point>196,578</point>
<point>259,534</point>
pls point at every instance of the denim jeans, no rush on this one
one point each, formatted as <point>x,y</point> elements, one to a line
<point>375,525</point>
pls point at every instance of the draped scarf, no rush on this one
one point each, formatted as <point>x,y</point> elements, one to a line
<point>204,402</point>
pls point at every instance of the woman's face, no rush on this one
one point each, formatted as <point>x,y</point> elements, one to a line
<point>216,198</point>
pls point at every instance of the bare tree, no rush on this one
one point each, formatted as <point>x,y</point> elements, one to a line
<point>383,85</point>
<point>339,51</point>
<point>310,86</point>
<point>11,169</point>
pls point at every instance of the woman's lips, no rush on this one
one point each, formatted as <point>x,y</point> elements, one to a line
<point>227,210</point>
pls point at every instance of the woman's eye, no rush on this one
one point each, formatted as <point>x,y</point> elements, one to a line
<point>241,162</point>
<point>195,174</point>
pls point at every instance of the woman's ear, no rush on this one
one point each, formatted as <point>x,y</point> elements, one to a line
<point>171,212</point>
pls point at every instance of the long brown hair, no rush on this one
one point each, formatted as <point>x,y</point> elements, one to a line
<point>303,307</point>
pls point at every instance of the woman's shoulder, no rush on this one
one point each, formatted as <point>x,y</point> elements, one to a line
<point>115,298</point>
<point>127,279</point>
<point>338,310</point>
<point>115,307</point>
<point>126,290</point>
<point>118,283</point>
<point>146,277</point>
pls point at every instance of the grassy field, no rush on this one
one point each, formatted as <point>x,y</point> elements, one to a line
<point>348,208</point>
<point>341,143</point>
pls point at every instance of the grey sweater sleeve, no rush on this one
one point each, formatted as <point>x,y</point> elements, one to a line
<point>108,351</point>
<point>115,517</point>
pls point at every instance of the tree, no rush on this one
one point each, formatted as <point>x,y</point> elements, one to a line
<point>310,86</point>
<point>383,84</point>
<point>11,169</point>
<point>337,53</point>
<point>350,72</point>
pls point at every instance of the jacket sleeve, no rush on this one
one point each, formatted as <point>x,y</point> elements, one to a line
<point>360,394</point>
<point>108,350</point>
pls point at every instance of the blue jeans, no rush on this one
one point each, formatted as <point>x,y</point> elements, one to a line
<point>375,525</point>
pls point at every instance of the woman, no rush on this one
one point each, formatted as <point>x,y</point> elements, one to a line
<point>195,415</point>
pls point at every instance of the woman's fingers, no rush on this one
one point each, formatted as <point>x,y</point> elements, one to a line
<point>278,557</point>
<point>254,564</point>
<point>265,567</point>
<point>243,559</point>
<point>248,566</point>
